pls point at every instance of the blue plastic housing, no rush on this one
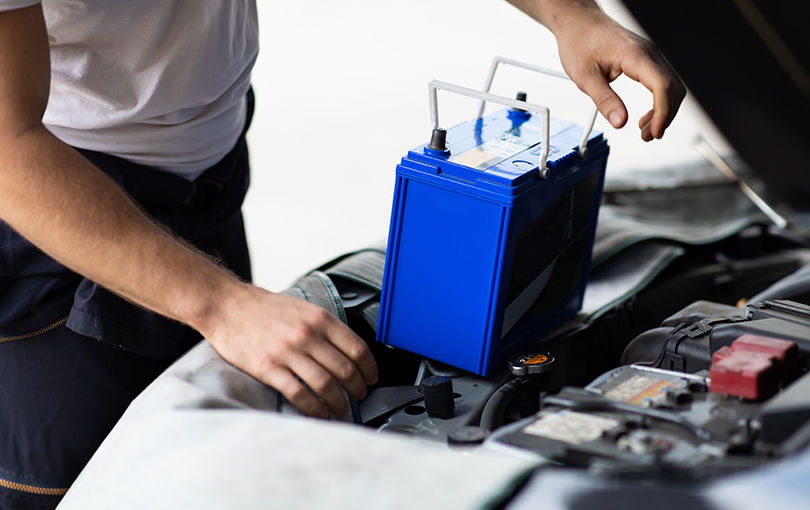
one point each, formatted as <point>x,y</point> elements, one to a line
<point>485,257</point>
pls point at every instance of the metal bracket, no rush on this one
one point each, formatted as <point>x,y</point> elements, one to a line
<point>589,122</point>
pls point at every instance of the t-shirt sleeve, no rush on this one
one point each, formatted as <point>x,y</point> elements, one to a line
<point>9,5</point>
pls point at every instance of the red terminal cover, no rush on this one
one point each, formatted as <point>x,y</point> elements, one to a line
<point>753,366</point>
<point>721,353</point>
<point>746,374</point>
<point>785,351</point>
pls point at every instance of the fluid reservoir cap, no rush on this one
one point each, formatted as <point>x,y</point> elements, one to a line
<point>439,398</point>
<point>530,363</point>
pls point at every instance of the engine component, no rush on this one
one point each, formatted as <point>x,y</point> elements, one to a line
<point>687,341</point>
<point>744,374</point>
<point>438,392</point>
<point>652,421</point>
<point>753,366</point>
<point>785,413</point>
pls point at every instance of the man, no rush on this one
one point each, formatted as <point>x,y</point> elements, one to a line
<point>103,102</point>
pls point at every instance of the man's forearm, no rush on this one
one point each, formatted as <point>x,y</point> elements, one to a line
<point>73,211</point>
<point>79,216</point>
<point>553,13</point>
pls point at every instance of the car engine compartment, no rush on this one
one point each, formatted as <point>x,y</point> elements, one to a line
<point>670,374</point>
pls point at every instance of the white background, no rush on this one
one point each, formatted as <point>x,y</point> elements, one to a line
<point>341,91</point>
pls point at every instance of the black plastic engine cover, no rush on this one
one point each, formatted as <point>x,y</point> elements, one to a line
<point>687,340</point>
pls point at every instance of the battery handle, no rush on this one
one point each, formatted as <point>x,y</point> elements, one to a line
<point>435,85</point>
<point>586,133</point>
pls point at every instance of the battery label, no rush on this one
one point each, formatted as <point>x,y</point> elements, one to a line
<point>507,144</point>
<point>571,427</point>
<point>642,391</point>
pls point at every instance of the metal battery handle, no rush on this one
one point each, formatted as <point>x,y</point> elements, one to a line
<point>435,85</point>
<point>586,133</point>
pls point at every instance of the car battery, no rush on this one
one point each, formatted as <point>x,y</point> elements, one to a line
<point>491,233</point>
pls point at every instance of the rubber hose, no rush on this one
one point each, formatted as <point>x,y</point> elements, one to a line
<point>492,417</point>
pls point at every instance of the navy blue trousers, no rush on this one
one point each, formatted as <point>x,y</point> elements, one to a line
<point>73,355</point>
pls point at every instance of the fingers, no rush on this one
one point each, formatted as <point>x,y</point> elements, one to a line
<point>645,125</point>
<point>668,95</point>
<point>336,348</point>
<point>322,383</point>
<point>594,83</point>
<point>284,381</point>
<point>322,392</point>
<point>355,349</point>
<point>646,65</point>
<point>326,353</point>
<point>666,102</point>
<point>346,359</point>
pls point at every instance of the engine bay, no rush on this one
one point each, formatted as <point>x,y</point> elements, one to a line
<point>688,362</point>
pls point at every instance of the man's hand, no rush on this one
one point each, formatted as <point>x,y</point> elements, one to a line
<point>595,50</point>
<point>275,337</point>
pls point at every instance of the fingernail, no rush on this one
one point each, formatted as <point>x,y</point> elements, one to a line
<point>343,412</point>
<point>615,118</point>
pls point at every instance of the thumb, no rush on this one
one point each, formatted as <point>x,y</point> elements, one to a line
<point>607,102</point>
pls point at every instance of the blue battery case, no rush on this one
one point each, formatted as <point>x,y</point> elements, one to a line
<point>484,256</point>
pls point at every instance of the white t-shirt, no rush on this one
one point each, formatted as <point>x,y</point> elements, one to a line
<point>157,82</point>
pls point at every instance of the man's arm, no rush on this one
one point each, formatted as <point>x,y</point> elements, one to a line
<point>595,50</point>
<point>76,214</point>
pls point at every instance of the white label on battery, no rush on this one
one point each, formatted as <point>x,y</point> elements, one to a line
<point>507,144</point>
<point>571,427</point>
<point>641,390</point>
